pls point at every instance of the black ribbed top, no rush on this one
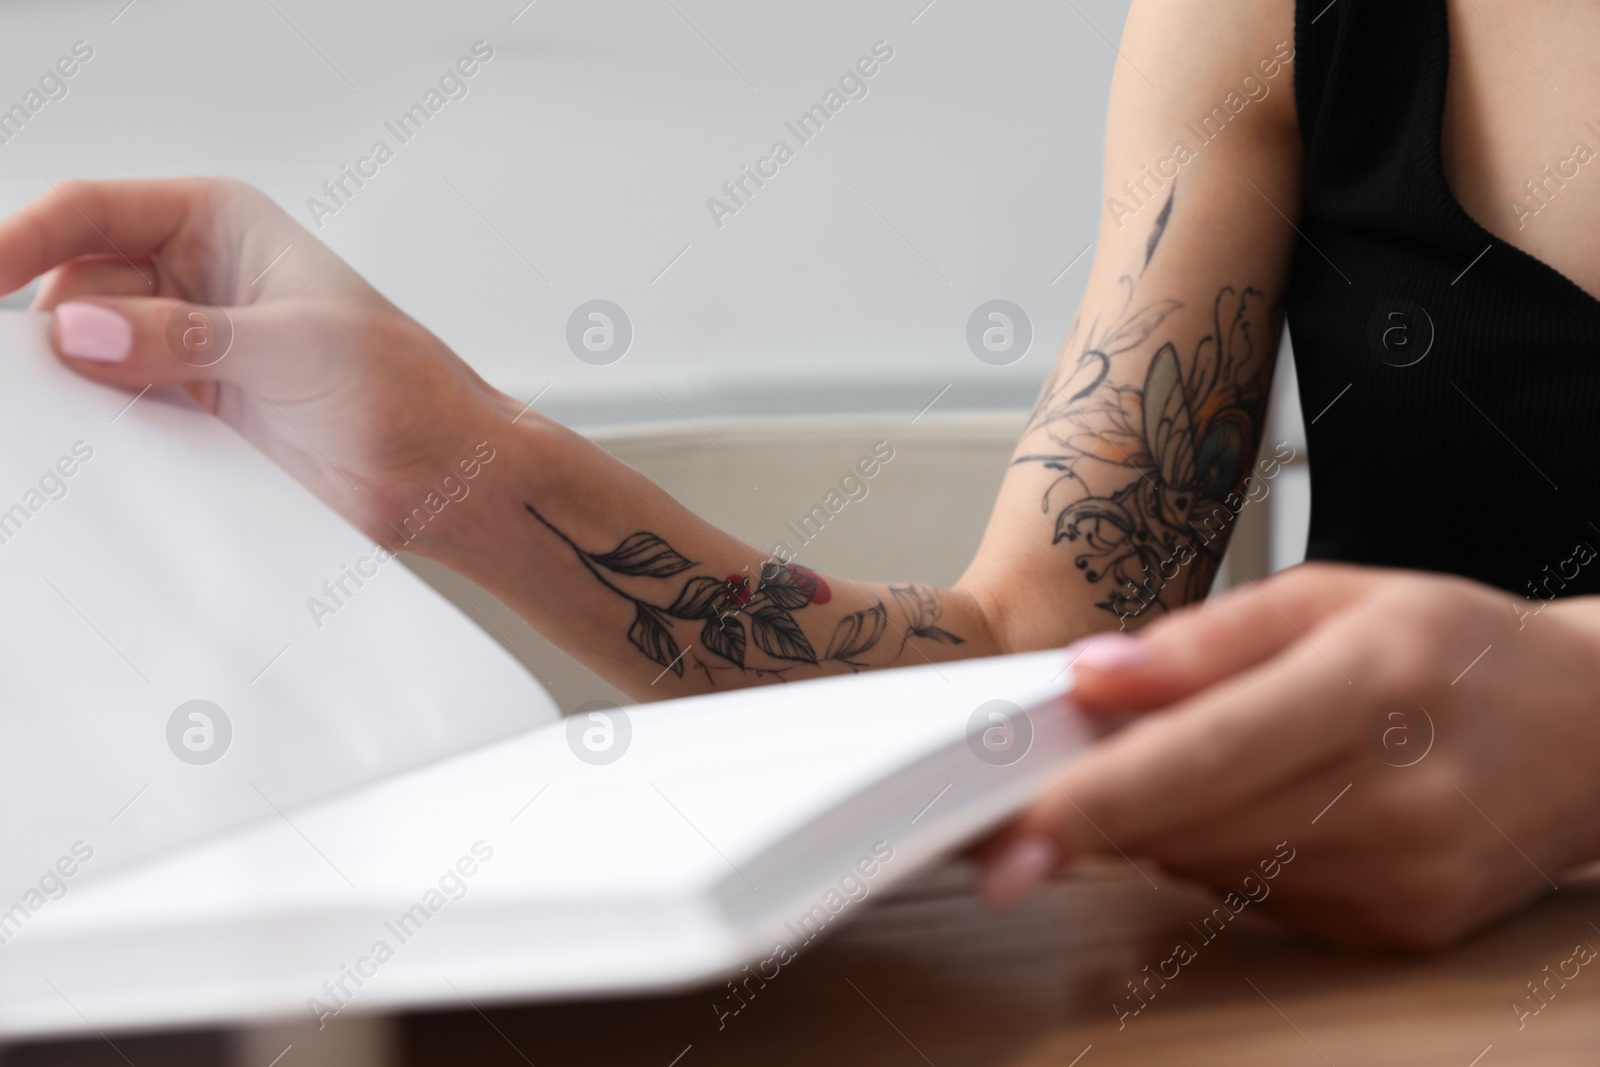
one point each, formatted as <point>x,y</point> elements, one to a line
<point>1483,457</point>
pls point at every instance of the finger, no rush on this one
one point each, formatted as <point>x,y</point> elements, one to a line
<point>95,276</point>
<point>1212,754</point>
<point>134,342</point>
<point>1202,645</point>
<point>1215,850</point>
<point>203,393</point>
<point>127,219</point>
<point>1217,750</point>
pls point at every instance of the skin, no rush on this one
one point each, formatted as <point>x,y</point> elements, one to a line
<point>1252,711</point>
<point>1262,702</point>
<point>1504,121</point>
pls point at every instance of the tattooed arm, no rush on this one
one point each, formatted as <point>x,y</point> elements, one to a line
<point>1139,454</point>
<point>1125,484</point>
<point>1116,507</point>
<point>663,603</point>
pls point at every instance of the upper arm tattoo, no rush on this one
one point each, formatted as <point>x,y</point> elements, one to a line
<point>1148,477</point>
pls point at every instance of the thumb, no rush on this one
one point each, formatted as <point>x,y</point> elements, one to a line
<point>139,341</point>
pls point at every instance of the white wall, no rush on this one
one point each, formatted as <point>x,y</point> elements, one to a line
<point>592,142</point>
<point>579,164</point>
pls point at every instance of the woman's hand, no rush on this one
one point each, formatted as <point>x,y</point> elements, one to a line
<point>287,343</point>
<point>1426,746</point>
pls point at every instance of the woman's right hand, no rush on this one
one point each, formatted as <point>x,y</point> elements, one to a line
<point>207,283</point>
<point>1340,715</point>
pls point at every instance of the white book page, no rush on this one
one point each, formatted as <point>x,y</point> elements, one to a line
<point>525,869</point>
<point>149,558</point>
<point>701,786</point>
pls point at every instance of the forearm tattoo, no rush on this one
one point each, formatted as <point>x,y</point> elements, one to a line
<point>1149,477</point>
<point>744,623</point>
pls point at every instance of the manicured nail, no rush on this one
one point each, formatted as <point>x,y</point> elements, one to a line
<point>1019,870</point>
<point>1109,652</point>
<point>89,331</point>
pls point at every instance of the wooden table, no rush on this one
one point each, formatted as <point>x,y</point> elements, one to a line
<point>927,976</point>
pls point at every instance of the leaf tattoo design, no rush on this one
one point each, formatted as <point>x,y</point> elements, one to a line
<point>778,635</point>
<point>858,632</point>
<point>733,614</point>
<point>643,553</point>
<point>788,588</point>
<point>700,598</point>
<point>650,635</point>
<point>725,637</point>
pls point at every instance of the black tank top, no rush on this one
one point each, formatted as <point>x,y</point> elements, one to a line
<point>1450,382</point>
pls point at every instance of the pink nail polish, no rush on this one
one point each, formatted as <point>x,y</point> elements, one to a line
<point>1111,652</point>
<point>1019,870</point>
<point>89,331</point>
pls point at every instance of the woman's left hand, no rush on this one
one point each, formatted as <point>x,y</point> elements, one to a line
<point>1425,746</point>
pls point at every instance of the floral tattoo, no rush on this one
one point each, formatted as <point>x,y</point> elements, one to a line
<point>1153,470</point>
<point>733,613</point>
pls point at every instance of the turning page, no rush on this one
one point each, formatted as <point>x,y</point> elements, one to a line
<point>165,670</point>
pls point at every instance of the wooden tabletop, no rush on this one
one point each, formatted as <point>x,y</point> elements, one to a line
<point>927,976</point>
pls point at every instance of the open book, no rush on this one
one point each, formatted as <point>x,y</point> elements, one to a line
<point>219,810</point>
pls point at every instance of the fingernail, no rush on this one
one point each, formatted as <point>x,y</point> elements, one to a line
<point>1109,652</point>
<point>1019,870</point>
<point>89,331</point>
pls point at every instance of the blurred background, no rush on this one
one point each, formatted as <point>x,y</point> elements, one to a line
<point>586,159</point>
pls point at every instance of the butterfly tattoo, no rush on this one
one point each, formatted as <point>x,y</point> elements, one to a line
<point>1178,447</point>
